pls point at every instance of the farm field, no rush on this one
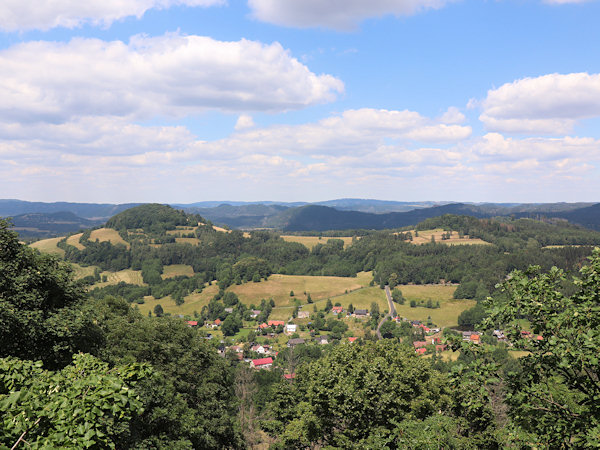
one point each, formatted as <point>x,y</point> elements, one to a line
<point>278,287</point>
<point>128,276</point>
<point>176,270</point>
<point>193,302</point>
<point>425,238</point>
<point>444,316</point>
<point>312,241</point>
<point>81,271</point>
<point>74,241</point>
<point>108,234</point>
<point>49,246</point>
<point>185,240</point>
<point>360,299</point>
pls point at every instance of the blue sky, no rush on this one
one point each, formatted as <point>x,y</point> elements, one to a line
<point>300,100</point>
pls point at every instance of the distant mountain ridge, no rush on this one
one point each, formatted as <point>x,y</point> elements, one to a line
<point>297,216</point>
<point>50,224</point>
<point>93,211</point>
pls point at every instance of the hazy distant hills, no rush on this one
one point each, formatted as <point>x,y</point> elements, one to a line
<point>94,211</point>
<point>42,219</point>
<point>50,224</point>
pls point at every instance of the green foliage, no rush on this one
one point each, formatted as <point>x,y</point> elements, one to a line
<point>152,218</point>
<point>40,306</point>
<point>85,405</point>
<point>353,394</point>
<point>556,395</point>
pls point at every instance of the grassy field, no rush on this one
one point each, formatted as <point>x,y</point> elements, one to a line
<point>278,287</point>
<point>425,237</point>
<point>108,234</point>
<point>74,241</point>
<point>176,270</point>
<point>127,275</point>
<point>360,299</point>
<point>181,230</point>
<point>193,241</point>
<point>49,246</point>
<point>444,316</point>
<point>193,302</point>
<point>311,241</point>
<point>81,272</point>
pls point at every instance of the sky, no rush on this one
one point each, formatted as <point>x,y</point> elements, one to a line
<point>181,101</point>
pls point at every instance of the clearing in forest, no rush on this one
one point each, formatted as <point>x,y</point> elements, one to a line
<point>193,302</point>
<point>424,237</point>
<point>187,240</point>
<point>81,271</point>
<point>444,316</point>
<point>128,276</point>
<point>49,246</point>
<point>278,287</point>
<point>74,241</point>
<point>177,270</point>
<point>108,234</point>
<point>312,241</point>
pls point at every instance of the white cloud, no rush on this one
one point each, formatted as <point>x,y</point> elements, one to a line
<point>337,14</point>
<point>546,104</point>
<point>42,15</point>
<point>244,121</point>
<point>453,116</point>
<point>564,2</point>
<point>172,75</point>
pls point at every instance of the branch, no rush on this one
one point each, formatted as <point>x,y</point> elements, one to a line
<point>24,433</point>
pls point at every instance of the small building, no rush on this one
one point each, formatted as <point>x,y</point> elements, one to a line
<point>192,323</point>
<point>303,314</point>
<point>291,328</point>
<point>337,310</point>
<point>421,351</point>
<point>323,339</point>
<point>419,344</point>
<point>440,348</point>
<point>255,313</point>
<point>295,341</point>
<point>228,310</point>
<point>262,349</point>
<point>289,376</point>
<point>361,313</point>
<point>276,323</point>
<point>352,339</point>
<point>474,338</point>
<point>262,363</point>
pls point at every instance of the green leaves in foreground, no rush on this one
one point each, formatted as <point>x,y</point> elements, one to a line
<point>85,405</point>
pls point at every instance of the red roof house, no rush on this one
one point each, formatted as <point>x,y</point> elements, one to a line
<point>352,339</point>
<point>421,351</point>
<point>262,363</point>
<point>276,323</point>
<point>192,323</point>
<point>419,344</point>
<point>337,310</point>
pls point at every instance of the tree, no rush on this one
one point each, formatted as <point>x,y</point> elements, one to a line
<point>158,310</point>
<point>397,296</point>
<point>40,306</point>
<point>354,396</point>
<point>328,305</point>
<point>556,395</point>
<point>86,404</point>
<point>231,325</point>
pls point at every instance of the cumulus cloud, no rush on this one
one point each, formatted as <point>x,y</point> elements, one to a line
<point>546,104</point>
<point>336,14</point>
<point>171,75</point>
<point>31,14</point>
<point>244,121</point>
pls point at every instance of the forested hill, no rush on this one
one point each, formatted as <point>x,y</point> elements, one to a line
<point>321,218</point>
<point>588,217</point>
<point>50,224</point>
